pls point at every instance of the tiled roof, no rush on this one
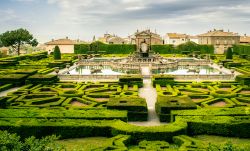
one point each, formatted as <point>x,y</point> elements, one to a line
<point>65,41</point>
<point>245,39</point>
<point>176,35</point>
<point>193,37</point>
<point>116,39</point>
<point>218,33</point>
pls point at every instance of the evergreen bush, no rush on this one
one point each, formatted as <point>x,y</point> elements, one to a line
<point>229,53</point>
<point>57,53</point>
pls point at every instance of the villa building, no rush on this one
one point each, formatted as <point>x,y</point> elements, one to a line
<point>194,39</point>
<point>155,38</point>
<point>245,39</point>
<point>175,38</point>
<point>66,45</point>
<point>220,39</point>
<point>112,39</point>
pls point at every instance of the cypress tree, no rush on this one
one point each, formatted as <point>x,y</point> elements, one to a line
<point>57,53</point>
<point>229,54</point>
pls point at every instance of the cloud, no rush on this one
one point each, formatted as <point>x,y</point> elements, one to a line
<point>94,17</point>
<point>126,10</point>
<point>7,15</point>
<point>25,0</point>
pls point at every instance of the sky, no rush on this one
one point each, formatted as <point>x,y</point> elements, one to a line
<point>83,19</point>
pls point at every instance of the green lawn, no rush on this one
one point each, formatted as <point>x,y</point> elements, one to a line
<point>219,140</point>
<point>85,144</point>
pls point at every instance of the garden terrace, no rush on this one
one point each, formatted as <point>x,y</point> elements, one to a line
<point>43,105</point>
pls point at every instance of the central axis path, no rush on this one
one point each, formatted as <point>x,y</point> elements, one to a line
<point>149,93</point>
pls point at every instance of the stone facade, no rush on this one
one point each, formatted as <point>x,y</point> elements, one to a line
<point>245,39</point>
<point>155,38</point>
<point>175,39</point>
<point>220,39</point>
<point>66,45</point>
<point>112,39</point>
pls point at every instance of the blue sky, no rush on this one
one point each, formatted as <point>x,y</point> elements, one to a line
<point>83,19</point>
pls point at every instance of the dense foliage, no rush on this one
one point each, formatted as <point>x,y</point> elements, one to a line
<point>17,38</point>
<point>13,142</point>
<point>191,47</point>
<point>57,53</point>
<point>164,49</point>
<point>100,48</point>
<point>229,53</point>
<point>241,49</point>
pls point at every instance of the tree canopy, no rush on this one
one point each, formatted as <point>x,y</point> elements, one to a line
<point>17,38</point>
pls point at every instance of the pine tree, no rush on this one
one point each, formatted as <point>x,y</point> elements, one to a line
<point>57,53</point>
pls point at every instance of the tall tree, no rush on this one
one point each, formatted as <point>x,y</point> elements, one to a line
<point>229,54</point>
<point>57,53</point>
<point>17,38</point>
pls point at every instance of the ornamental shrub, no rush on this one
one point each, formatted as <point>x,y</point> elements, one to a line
<point>13,142</point>
<point>163,49</point>
<point>229,54</point>
<point>100,48</point>
<point>57,53</point>
<point>241,49</point>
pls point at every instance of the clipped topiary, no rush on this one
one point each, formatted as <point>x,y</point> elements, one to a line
<point>57,53</point>
<point>229,54</point>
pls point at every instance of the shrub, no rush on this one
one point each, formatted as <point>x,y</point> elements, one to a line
<point>59,64</point>
<point>57,53</point>
<point>81,49</point>
<point>5,87</point>
<point>90,114</point>
<point>243,79</point>
<point>153,145</point>
<point>13,142</point>
<point>15,79</point>
<point>42,79</point>
<point>131,80</point>
<point>136,107</point>
<point>165,104</point>
<point>23,71</point>
<point>241,49</point>
<point>222,94</point>
<point>163,80</point>
<point>240,111</point>
<point>163,49</point>
<point>188,143</point>
<point>235,126</point>
<point>99,47</point>
<point>229,53</point>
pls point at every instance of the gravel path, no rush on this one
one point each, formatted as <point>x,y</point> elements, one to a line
<point>150,94</point>
<point>4,93</point>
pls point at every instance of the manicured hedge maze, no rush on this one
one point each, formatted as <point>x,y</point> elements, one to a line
<point>45,106</point>
<point>80,96</point>
<point>222,107</point>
